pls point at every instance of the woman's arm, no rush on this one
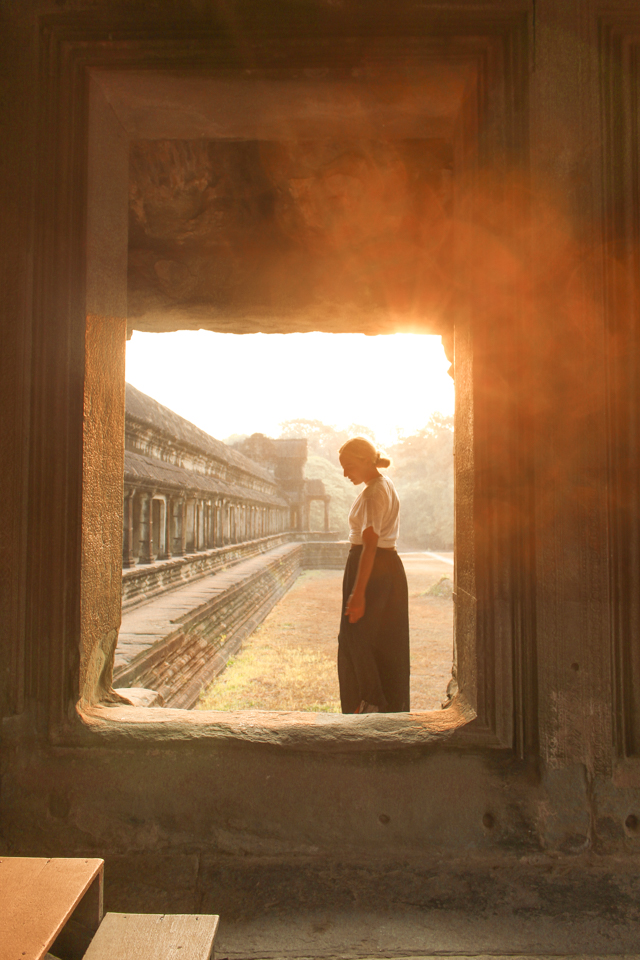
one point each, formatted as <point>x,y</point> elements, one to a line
<point>355,604</point>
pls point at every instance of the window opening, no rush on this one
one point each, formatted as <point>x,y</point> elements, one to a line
<point>221,537</point>
<point>327,224</point>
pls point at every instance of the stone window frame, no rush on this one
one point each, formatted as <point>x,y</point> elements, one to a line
<point>619,80</point>
<point>495,650</point>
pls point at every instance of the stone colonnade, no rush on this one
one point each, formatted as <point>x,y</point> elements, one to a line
<point>160,524</point>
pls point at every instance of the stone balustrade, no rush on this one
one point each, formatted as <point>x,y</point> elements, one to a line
<point>140,584</point>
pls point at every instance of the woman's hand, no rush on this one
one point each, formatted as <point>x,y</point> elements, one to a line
<point>355,604</point>
<point>355,607</point>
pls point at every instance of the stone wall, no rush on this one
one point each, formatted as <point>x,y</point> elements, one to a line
<point>534,771</point>
<point>325,555</point>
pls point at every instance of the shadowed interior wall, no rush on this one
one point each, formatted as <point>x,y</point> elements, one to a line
<point>103,420</point>
<point>537,758</point>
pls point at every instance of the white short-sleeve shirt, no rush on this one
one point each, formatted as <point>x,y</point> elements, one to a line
<point>378,507</point>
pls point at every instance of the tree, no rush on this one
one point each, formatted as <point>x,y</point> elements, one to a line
<point>323,439</point>
<point>423,476</point>
<point>422,472</point>
<point>341,491</point>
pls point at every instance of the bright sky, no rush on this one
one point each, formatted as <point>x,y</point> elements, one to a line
<point>227,383</point>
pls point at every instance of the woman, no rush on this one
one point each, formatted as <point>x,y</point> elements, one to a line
<point>373,644</point>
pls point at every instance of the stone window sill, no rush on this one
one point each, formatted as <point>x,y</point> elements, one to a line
<point>310,731</point>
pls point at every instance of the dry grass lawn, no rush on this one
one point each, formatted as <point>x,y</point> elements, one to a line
<point>290,661</point>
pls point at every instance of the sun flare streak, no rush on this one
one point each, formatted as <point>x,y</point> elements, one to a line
<point>230,384</point>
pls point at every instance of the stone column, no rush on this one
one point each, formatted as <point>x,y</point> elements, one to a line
<point>194,546</point>
<point>190,502</point>
<point>128,556</point>
<point>168,528</point>
<point>146,529</point>
<point>326,515</point>
<point>183,527</point>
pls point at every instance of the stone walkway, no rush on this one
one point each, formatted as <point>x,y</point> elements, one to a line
<point>155,620</point>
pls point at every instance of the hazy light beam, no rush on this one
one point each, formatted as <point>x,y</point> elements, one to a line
<point>242,384</point>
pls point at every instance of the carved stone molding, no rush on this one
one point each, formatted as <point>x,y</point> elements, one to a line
<point>620,91</point>
<point>496,580</point>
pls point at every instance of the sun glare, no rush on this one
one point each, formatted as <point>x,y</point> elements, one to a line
<point>241,384</point>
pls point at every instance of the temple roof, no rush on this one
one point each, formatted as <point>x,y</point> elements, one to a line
<point>148,411</point>
<point>139,467</point>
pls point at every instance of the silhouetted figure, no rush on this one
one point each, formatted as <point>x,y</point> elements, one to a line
<point>373,643</point>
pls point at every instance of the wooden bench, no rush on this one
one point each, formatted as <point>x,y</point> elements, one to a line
<point>131,936</point>
<point>48,904</point>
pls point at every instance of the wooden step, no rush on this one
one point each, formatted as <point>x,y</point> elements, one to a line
<point>48,903</point>
<point>164,936</point>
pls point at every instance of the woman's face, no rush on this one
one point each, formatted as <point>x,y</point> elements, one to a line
<point>355,469</point>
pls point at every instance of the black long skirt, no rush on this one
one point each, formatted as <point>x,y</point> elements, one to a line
<point>373,654</point>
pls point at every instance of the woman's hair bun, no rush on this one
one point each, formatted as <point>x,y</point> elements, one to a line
<point>363,449</point>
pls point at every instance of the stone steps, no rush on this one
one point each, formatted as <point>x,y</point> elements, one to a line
<point>177,643</point>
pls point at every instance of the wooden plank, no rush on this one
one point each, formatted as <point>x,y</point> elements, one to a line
<point>82,925</point>
<point>38,896</point>
<point>130,936</point>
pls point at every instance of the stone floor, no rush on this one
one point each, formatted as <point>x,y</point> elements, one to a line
<point>473,905</point>
<point>355,936</point>
<point>413,930</point>
<point>538,906</point>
